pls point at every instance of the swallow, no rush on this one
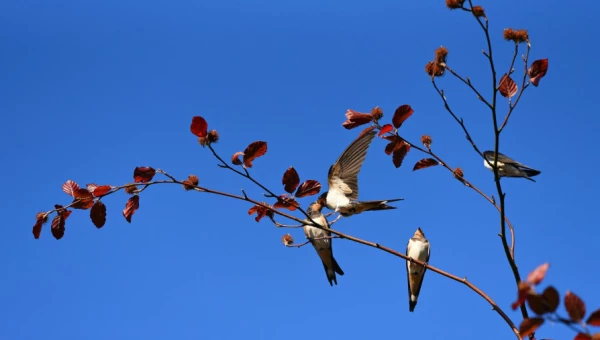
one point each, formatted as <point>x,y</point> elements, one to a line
<point>508,167</point>
<point>342,181</point>
<point>418,249</point>
<point>321,240</point>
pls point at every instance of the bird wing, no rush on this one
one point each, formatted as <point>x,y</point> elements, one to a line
<point>343,174</point>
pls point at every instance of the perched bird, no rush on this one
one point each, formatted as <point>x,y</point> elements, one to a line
<point>342,181</point>
<point>321,240</point>
<point>508,167</point>
<point>418,249</point>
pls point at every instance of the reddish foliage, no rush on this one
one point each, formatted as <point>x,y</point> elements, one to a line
<point>425,163</point>
<point>537,71</point>
<point>235,159</point>
<point>507,86</point>
<point>287,239</point>
<point>37,228</point>
<point>143,174</point>
<point>537,275</point>
<point>524,289</point>
<point>594,318</point>
<point>582,336</point>
<point>551,299</point>
<point>98,214</point>
<point>101,190</point>
<point>395,143</point>
<point>286,202</point>
<point>528,326</point>
<point>83,199</point>
<point>354,119</point>
<point>385,129</point>
<point>290,180</point>
<point>70,187</point>
<point>260,212</point>
<point>402,113</point>
<point>400,153</point>
<point>133,203</point>
<point>308,188</point>
<point>575,306</point>
<point>58,226</point>
<point>199,126</point>
<point>253,151</point>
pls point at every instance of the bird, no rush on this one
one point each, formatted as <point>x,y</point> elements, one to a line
<point>342,181</point>
<point>508,167</point>
<point>418,248</point>
<point>321,240</point>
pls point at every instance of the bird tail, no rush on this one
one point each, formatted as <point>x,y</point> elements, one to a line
<point>330,272</point>
<point>412,303</point>
<point>531,172</point>
<point>376,205</point>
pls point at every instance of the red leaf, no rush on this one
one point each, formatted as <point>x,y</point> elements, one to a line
<point>37,228</point>
<point>235,159</point>
<point>91,187</point>
<point>395,143</point>
<point>402,113</point>
<point>507,86</point>
<point>70,187</point>
<point>133,203</point>
<point>83,199</point>
<point>551,299</point>
<point>537,71</point>
<point>574,306</point>
<point>594,319</point>
<point>385,129</point>
<point>260,212</point>
<point>523,292</point>
<point>400,153</point>
<point>308,188</point>
<point>58,226</point>
<point>537,275</point>
<point>143,174</point>
<point>254,151</point>
<point>199,126</point>
<point>101,190</point>
<point>98,214</point>
<point>582,336</point>
<point>425,163</point>
<point>354,119</point>
<point>290,180</point>
<point>286,202</point>
<point>528,326</point>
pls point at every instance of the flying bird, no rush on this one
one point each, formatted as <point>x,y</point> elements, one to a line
<point>342,181</point>
<point>322,241</point>
<point>418,249</point>
<point>508,167</point>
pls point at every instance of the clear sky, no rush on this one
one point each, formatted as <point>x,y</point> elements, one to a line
<point>91,89</point>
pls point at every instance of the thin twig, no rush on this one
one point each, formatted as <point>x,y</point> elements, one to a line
<point>467,81</point>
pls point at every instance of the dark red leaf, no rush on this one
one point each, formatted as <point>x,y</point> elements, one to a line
<point>582,336</point>
<point>537,275</point>
<point>37,228</point>
<point>98,214</point>
<point>537,71</point>
<point>133,203</point>
<point>402,113</point>
<point>308,188</point>
<point>594,319</point>
<point>253,151</point>
<point>425,163</point>
<point>529,326</point>
<point>575,306</point>
<point>354,119</point>
<point>395,143</point>
<point>65,214</point>
<point>101,190</point>
<point>385,129</point>
<point>143,174</point>
<point>400,153</point>
<point>260,212</point>
<point>286,202</point>
<point>58,226</point>
<point>507,86</point>
<point>199,126</point>
<point>290,180</point>
<point>524,289</point>
<point>83,199</point>
<point>70,187</point>
<point>551,299</point>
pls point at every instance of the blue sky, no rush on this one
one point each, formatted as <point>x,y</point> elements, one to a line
<point>91,89</point>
